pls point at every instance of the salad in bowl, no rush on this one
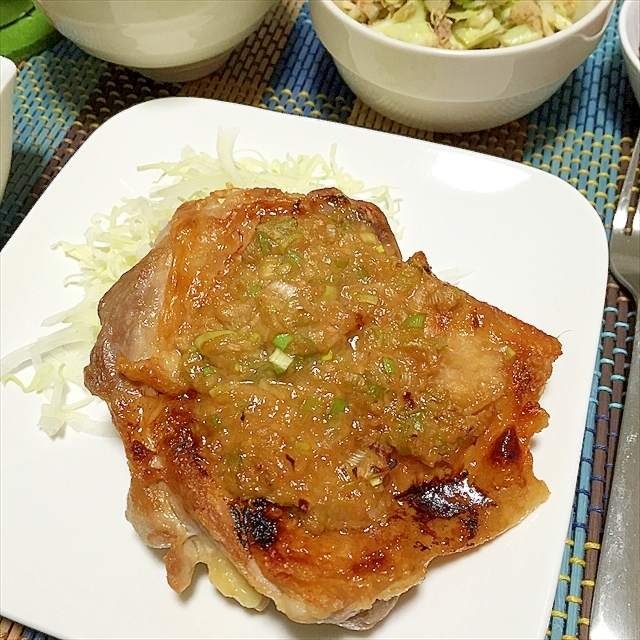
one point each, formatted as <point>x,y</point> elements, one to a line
<point>464,24</point>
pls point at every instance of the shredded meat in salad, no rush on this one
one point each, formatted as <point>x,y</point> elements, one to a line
<point>463,24</point>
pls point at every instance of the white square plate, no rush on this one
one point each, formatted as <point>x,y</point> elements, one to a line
<point>73,567</point>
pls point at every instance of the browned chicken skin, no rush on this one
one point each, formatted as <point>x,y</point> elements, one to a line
<point>295,399</point>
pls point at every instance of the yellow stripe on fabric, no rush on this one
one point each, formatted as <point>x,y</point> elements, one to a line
<point>588,583</point>
<point>584,621</point>
<point>562,576</point>
<point>592,545</point>
<point>559,614</point>
<point>576,560</point>
<point>574,599</point>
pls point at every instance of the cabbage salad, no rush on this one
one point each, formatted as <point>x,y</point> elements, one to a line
<point>463,24</point>
<point>114,242</point>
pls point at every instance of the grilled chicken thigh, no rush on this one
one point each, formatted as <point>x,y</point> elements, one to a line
<point>308,415</point>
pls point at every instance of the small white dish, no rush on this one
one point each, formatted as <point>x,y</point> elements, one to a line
<point>454,91</point>
<point>629,29</point>
<point>73,567</point>
<point>166,41</point>
<point>7,81</point>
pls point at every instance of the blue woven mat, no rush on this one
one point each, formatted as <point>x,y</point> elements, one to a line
<point>582,134</point>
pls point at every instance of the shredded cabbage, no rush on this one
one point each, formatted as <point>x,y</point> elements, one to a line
<point>116,241</point>
<point>463,24</point>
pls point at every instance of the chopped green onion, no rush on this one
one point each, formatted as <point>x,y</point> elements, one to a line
<point>207,370</point>
<point>415,320</point>
<point>388,365</point>
<point>293,258</point>
<point>362,274</point>
<point>253,289</point>
<point>264,242</point>
<point>280,360</point>
<point>375,482</point>
<point>508,352</point>
<point>225,387</point>
<point>282,340</point>
<point>310,404</point>
<point>379,248</point>
<point>327,356</point>
<point>283,227</point>
<point>289,239</point>
<point>255,337</point>
<point>338,406</point>
<point>234,459</point>
<point>305,447</point>
<point>211,335</point>
<point>341,263</point>
<point>330,292</point>
<point>369,237</point>
<point>367,298</point>
<point>374,390</point>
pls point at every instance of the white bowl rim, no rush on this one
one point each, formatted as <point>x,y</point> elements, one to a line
<point>602,6</point>
<point>623,21</point>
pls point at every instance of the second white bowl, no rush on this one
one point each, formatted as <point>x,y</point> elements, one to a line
<point>454,91</point>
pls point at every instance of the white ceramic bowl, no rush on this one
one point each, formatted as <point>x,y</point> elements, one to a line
<point>629,28</point>
<point>453,91</point>
<point>167,40</point>
<point>7,80</point>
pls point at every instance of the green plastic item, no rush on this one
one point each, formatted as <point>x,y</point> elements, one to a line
<point>12,10</point>
<point>24,30</point>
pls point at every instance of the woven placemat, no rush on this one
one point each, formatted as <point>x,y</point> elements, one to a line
<point>583,134</point>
